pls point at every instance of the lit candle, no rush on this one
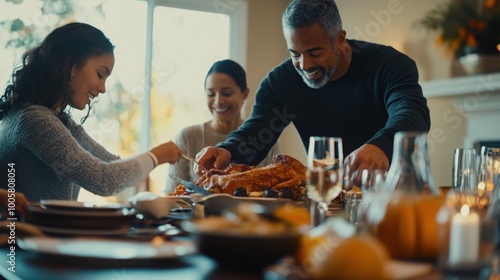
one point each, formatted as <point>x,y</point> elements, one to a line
<point>480,188</point>
<point>464,239</point>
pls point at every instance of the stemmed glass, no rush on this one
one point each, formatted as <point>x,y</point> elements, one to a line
<point>325,168</point>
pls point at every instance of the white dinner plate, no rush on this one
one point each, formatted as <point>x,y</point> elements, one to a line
<point>107,249</point>
<point>401,270</point>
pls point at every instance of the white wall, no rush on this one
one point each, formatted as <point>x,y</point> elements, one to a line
<point>267,49</point>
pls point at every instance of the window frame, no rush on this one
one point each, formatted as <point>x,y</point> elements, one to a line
<point>237,10</point>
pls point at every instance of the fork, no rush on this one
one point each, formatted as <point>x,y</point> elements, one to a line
<point>194,161</point>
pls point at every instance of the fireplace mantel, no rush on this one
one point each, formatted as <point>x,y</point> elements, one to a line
<point>458,86</point>
<point>478,97</point>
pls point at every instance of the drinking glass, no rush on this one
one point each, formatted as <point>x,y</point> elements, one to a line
<point>465,170</point>
<point>489,168</point>
<point>325,167</point>
<point>355,206</point>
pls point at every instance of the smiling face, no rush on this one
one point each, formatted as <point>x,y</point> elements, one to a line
<point>224,97</point>
<point>313,54</point>
<point>89,80</point>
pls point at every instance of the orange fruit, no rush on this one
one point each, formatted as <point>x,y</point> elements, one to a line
<point>293,215</point>
<point>358,257</point>
<point>307,245</point>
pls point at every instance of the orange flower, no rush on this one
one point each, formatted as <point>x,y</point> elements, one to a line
<point>481,25</point>
<point>462,32</point>
<point>489,4</point>
<point>472,22</point>
<point>463,23</point>
<point>471,40</point>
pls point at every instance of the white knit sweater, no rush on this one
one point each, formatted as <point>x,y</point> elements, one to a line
<point>54,157</point>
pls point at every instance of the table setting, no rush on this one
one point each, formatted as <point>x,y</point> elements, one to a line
<point>381,225</point>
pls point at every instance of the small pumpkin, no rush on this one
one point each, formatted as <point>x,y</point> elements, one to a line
<point>409,228</point>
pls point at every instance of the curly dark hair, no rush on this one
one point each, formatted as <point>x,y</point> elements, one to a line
<point>44,76</point>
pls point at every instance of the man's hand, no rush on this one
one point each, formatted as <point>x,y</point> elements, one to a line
<point>368,157</point>
<point>212,157</point>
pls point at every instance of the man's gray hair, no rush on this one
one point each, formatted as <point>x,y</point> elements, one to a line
<point>303,13</point>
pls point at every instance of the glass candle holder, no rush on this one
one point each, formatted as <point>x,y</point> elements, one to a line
<point>352,201</point>
<point>467,235</point>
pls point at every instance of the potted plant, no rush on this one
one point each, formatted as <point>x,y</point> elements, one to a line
<point>470,30</point>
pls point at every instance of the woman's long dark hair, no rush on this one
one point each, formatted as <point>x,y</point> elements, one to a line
<point>45,74</point>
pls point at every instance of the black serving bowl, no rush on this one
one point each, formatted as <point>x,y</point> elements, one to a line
<point>243,250</point>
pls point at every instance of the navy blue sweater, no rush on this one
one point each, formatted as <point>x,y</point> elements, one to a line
<point>378,96</point>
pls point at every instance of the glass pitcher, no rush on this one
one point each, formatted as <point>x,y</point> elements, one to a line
<point>403,214</point>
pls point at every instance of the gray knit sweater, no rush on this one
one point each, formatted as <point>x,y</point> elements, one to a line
<point>191,140</point>
<point>54,157</point>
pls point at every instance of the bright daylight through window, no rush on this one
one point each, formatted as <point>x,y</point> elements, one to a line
<point>157,85</point>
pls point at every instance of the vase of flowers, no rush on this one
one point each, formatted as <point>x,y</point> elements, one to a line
<point>470,31</point>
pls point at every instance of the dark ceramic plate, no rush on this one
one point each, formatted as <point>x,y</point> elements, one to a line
<point>243,250</point>
<point>59,218</point>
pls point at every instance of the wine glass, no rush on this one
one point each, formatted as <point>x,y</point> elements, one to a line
<point>325,167</point>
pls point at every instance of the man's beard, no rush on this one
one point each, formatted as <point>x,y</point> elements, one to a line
<point>319,83</point>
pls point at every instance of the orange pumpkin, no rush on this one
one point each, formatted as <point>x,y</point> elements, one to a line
<point>409,228</point>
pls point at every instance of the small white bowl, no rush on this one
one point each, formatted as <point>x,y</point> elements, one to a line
<point>158,206</point>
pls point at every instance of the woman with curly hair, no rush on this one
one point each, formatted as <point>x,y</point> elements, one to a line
<point>53,155</point>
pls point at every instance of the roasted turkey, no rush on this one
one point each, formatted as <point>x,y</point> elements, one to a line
<point>285,172</point>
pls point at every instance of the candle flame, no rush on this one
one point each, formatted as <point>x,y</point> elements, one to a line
<point>464,210</point>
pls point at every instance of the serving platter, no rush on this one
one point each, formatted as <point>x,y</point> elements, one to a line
<point>107,249</point>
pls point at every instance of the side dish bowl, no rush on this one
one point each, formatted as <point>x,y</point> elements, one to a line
<point>234,249</point>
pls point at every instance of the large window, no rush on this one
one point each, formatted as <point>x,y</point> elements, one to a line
<point>163,50</point>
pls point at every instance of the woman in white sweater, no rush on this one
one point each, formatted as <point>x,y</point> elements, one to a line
<point>226,91</point>
<point>51,154</point>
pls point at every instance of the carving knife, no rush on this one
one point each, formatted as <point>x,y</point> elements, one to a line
<point>191,186</point>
